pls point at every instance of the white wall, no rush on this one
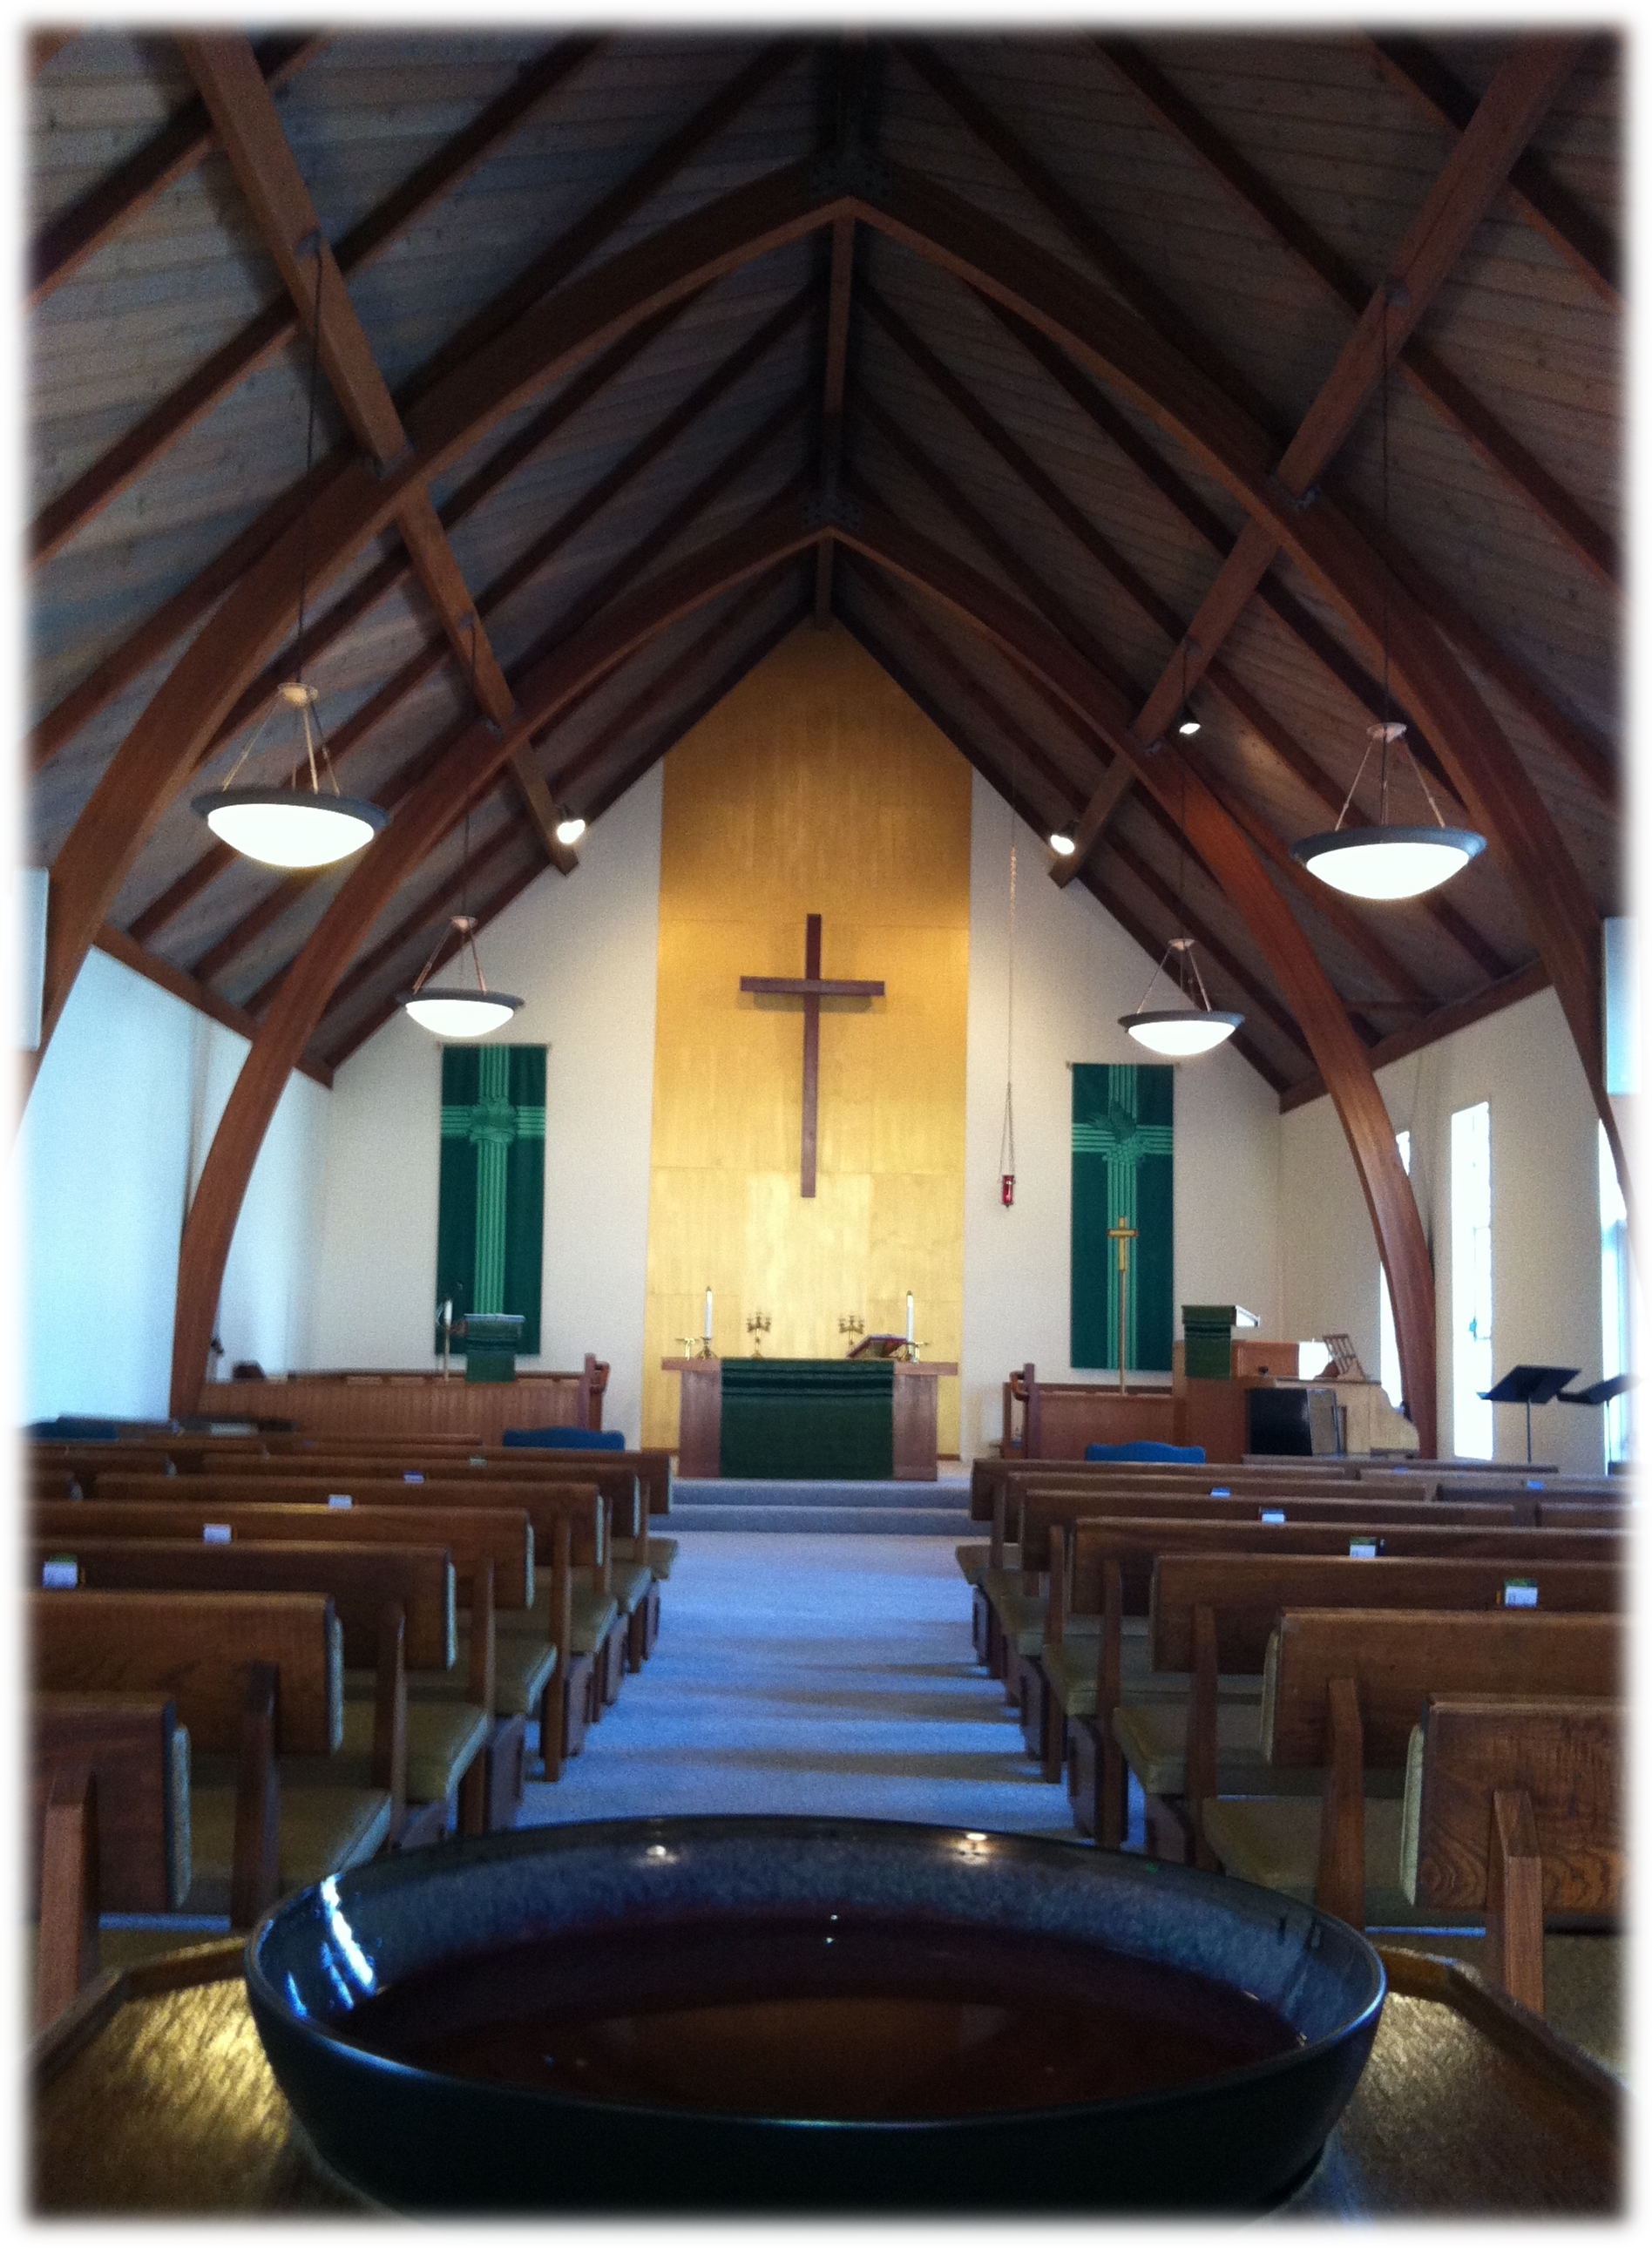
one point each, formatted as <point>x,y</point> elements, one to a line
<point>1546,1227</point>
<point>581,952</point>
<point>113,1140</point>
<point>1076,972</point>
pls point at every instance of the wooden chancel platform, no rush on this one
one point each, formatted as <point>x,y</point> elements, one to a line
<point>374,1404</point>
<point>153,2098</point>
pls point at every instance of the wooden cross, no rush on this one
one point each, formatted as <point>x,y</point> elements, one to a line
<point>1123,1233</point>
<point>811,987</point>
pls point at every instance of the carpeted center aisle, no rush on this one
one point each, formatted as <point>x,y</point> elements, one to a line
<point>811,1674</point>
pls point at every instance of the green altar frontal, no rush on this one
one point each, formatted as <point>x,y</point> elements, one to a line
<point>805,1417</point>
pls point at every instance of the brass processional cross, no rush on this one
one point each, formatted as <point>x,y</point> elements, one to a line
<point>811,987</point>
<point>1124,1233</point>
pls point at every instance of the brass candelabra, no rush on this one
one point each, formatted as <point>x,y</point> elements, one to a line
<point>757,1327</point>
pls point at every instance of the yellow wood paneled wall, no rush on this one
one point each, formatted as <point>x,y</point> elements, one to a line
<point>815,787</point>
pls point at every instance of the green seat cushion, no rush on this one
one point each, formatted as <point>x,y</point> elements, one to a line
<point>593,1618</point>
<point>1274,1841</point>
<point>1153,1735</point>
<point>443,1738</point>
<point>326,1825</point>
<point>972,1559</point>
<point>1021,1615</point>
<point>522,1667</point>
<point>632,1583</point>
<point>662,1551</point>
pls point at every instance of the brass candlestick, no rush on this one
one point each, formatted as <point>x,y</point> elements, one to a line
<point>757,1327</point>
<point>852,1325</point>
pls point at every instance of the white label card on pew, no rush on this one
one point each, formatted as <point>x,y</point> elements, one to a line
<point>478,1459</point>
<point>1273,1514</point>
<point>1221,1490</point>
<point>61,1573</point>
<point>215,1533</point>
<point>412,1475</point>
<point>1363,1549</point>
<point>338,1498</point>
<point>1520,1592</point>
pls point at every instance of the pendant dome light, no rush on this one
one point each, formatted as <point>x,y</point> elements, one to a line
<point>1196,1027</point>
<point>1064,841</point>
<point>570,825</point>
<point>452,1011</point>
<point>289,825</point>
<point>1388,861</point>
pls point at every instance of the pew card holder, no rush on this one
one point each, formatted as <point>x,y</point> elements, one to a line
<point>1469,2106</point>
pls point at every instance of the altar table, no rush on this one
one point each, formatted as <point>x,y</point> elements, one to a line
<point>795,1419</point>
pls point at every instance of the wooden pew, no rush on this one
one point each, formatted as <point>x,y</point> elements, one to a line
<point>1109,1580</point>
<point>1521,1818</point>
<point>253,1676</point>
<point>492,1553</point>
<point>1217,1613</point>
<point>1345,1690</point>
<point>108,1827</point>
<point>418,1582</point>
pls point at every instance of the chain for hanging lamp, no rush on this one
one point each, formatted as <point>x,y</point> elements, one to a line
<point>287,825</point>
<point>1387,861</point>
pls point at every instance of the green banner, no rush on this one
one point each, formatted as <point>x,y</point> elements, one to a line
<point>490,1215</point>
<point>1123,1115</point>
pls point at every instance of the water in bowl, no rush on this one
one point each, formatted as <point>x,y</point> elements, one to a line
<point>841,2019</point>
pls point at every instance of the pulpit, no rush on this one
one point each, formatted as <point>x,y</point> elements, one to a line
<point>802,1419</point>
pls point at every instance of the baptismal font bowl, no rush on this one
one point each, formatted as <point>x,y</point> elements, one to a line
<point>800,2014</point>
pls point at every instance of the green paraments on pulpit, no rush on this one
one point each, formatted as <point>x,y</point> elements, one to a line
<point>490,1216</point>
<point>797,1417</point>
<point>1123,1115</point>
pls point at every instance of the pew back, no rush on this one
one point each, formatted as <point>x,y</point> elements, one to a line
<point>1039,1509</point>
<point>1397,1659</point>
<point>139,1763</point>
<point>197,1648</point>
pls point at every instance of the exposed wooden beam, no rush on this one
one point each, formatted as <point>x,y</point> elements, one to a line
<point>837,359</point>
<point>139,446</point>
<point>946,722</point>
<point>1585,749</point>
<point>120,947</point>
<point>1110,791</point>
<point>1427,373</point>
<point>65,242</point>
<point>1512,108</point>
<point>302,1000</point>
<point>1440,1024</point>
<point>1587,245</point>
<point>163,747</point>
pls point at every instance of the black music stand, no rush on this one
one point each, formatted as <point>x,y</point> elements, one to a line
<point>1598,1393</point>
<point>1529,1386</point>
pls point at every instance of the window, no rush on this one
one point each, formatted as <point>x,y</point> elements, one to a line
<point>1387,1341</point>
<point>1617,1303</point>
<point>1472,1436</point>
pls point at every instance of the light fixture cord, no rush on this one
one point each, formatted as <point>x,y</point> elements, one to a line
<point>1006,1138</point>
<point>1382,796</point>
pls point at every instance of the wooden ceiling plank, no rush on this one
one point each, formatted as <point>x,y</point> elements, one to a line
<point>44,43</point>
<point>630,622</point>
<point>1584,749</point>
<point>64,243</point>
<point>1213,832</point>
<point>137,449</point>
<point>1513,106</point>
<point>119,946</point>
<point>945,723</point>
<point>1574,231</point>
<point>1421,367</point>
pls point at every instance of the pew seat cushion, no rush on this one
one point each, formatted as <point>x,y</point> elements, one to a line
<point>443,1738</point>
<point>662,1551</point>
<point>972,1560</point>
<point>325,1826</point>
<point>1274,1841</point>
<point>1152,1736</point>
<point>565,1439</point>
<point>1140,1451</point>
<point>594,1616</point>
<point>1021,1615</point>
<point>523,1663</point>
<point>631,1583</point>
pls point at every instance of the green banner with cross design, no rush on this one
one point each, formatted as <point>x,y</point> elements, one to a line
<point>1124,1136</point>
<point>490,1214</point>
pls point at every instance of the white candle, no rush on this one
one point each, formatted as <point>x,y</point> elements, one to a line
<point>707,1314</point>
<point>908,1314</point>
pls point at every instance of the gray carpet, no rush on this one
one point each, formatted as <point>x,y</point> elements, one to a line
<point>810,1674</point>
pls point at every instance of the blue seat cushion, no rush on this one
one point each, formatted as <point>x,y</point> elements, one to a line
<point>75,1428</point>
<point>576,1440</point>
<point>1142,1447</point>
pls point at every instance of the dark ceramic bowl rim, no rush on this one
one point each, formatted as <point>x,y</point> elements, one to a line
<point>572,1834</point>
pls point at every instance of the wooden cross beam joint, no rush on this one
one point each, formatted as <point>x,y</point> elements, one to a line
<point>811,987</point>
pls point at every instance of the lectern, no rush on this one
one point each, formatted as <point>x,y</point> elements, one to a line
<point>489,1340</point>
<point>1529,1386</point>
